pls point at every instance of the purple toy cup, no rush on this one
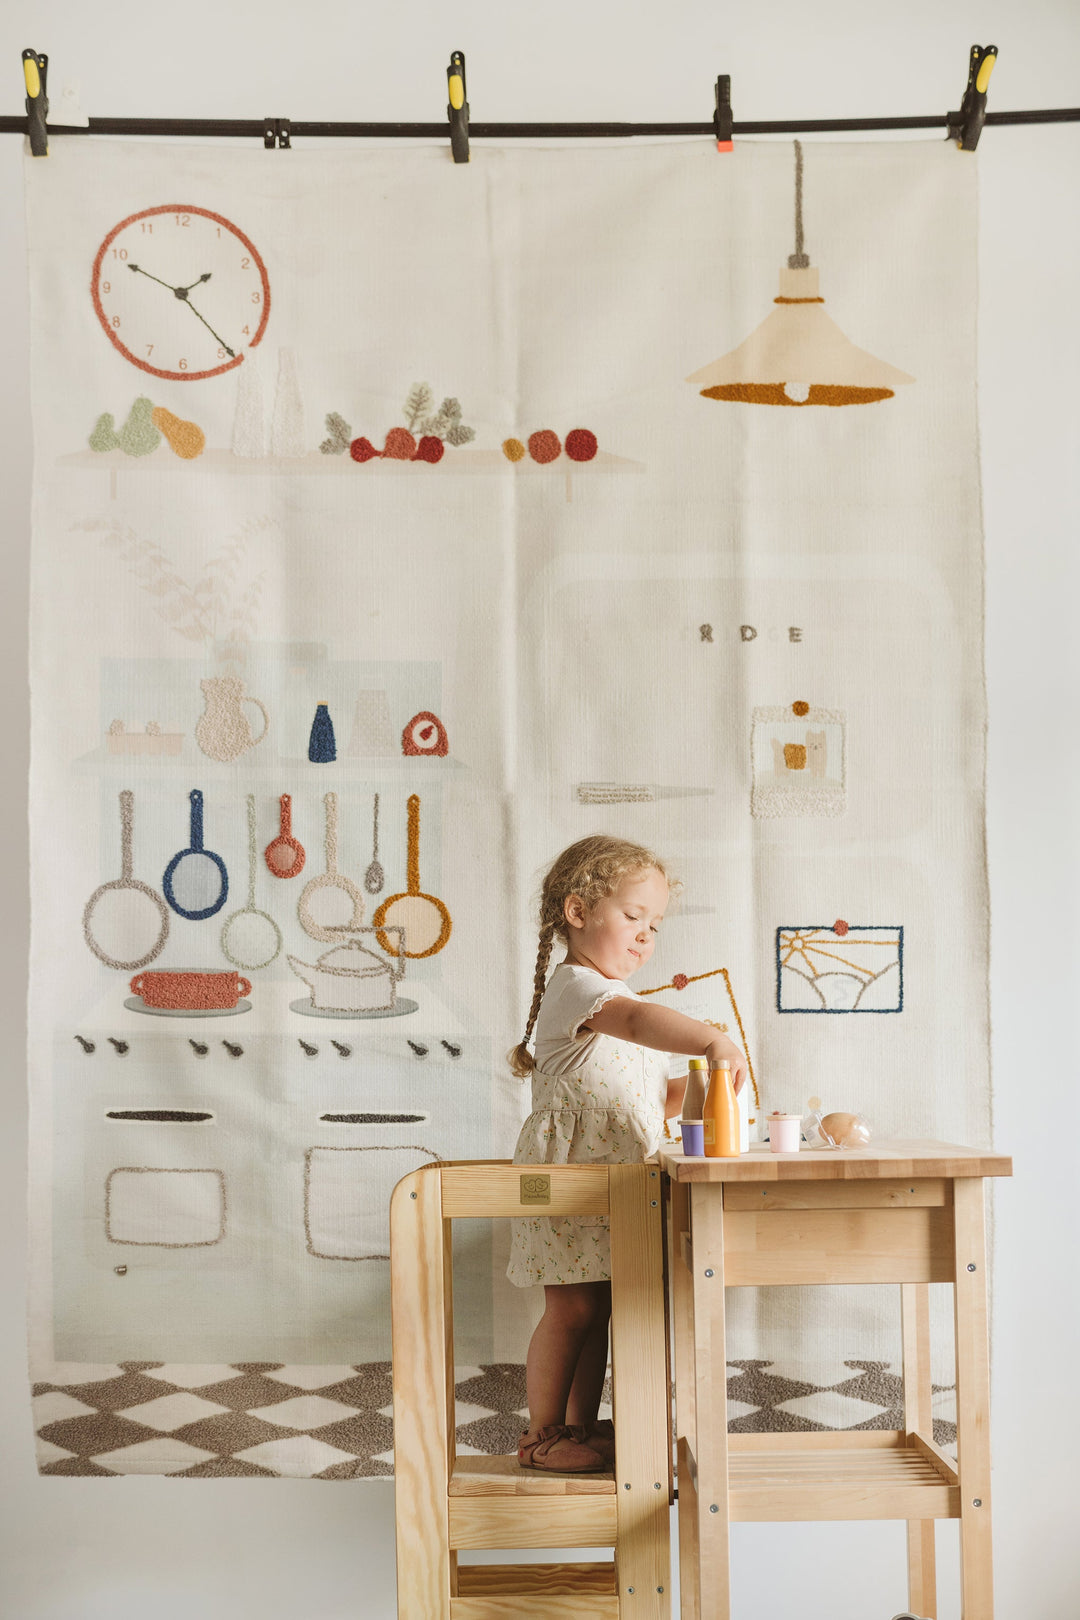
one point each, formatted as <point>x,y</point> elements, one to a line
<point>693,1138</point>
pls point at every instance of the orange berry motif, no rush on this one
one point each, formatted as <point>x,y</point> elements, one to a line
<point>544,446</point>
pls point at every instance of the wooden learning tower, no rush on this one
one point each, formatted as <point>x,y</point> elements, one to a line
<point>446,1503</point>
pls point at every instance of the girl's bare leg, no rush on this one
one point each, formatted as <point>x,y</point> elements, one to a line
<point>573,1313</point>
<point>587,1388</point>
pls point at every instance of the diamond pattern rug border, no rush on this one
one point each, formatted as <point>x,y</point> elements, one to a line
<point>497,1389</point>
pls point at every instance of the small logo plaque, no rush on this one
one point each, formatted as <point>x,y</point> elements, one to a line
<point>536,1189</point>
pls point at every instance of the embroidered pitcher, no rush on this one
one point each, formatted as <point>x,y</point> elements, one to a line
<point>223,731</point>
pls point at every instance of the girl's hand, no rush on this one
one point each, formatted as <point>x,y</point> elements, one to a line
<point>722,1047</point>
<point>668,1031</point>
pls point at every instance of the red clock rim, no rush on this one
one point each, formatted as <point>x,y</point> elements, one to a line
<point>178,208</point>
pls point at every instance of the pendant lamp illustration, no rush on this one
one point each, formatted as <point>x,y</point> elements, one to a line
<point>798,355</point>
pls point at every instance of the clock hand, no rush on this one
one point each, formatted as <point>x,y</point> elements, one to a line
<point>142,272</point>
<point>230,352</point>
<point>182,294</point>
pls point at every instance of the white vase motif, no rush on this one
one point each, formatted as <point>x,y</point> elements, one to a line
<point>223,731</point>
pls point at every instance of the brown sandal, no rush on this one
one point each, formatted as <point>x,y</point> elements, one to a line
<point>557,1450</point>
<point>599,1437</point>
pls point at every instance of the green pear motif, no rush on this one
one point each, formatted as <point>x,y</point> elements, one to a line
<point>104,436</point>
<point>139,436</point>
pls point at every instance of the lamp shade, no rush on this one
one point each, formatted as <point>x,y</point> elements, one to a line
<point>799,356</point>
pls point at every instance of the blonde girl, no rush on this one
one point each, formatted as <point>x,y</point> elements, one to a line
<point>608,1068</point>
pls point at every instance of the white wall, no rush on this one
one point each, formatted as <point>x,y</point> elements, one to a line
<point>73,1549</point>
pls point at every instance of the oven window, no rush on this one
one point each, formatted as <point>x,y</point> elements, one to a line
<point>165,1208</point>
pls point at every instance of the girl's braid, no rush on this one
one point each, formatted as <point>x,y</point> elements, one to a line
<point>521,1059</point>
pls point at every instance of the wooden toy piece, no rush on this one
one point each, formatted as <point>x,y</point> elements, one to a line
<point>447,1503</point>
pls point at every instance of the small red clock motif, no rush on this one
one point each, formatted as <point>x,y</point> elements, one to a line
<point>180,291</point>
<point>425,734</point>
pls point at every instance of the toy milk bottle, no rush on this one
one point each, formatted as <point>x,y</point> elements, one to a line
<point>696,1083</point>
<point>721,1115</point>
<point>693,1139</point>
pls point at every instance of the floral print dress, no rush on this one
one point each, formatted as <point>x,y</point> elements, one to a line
<point>595,1100</point>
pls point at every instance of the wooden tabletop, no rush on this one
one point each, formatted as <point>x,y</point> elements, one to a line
<point>882,1160</point>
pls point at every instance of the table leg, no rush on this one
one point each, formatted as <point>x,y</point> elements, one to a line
<point>918,1419</point>
<point>642,1435</point>
<point>973,1402</point>
<point>682,1332</point>
<point>710,1398</point>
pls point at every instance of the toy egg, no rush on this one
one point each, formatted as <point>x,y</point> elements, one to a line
<point>846,1130</point>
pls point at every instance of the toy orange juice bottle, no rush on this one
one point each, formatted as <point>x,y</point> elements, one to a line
<point>721,1115</point>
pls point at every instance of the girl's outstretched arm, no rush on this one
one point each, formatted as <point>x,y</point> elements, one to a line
<point>667,1031</point>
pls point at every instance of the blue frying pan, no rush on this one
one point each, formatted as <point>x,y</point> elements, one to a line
<point>196,883</point>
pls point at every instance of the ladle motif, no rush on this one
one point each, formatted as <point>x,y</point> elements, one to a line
<point>235,934</point>
<point>331,879</point>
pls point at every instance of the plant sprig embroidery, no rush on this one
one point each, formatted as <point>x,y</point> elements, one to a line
<point>221,605</point>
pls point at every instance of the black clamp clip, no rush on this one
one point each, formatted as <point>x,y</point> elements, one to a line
<point>723,126</point>
<point>965,127</point>
<point>277,132</point>
<point>35,71</point>
<point>458,108</point>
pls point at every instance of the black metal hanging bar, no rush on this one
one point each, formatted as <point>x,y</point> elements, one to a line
<point>963,126</point>
<point>255,128</point>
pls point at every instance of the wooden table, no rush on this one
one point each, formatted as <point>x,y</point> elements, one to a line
<point>897,1212</point>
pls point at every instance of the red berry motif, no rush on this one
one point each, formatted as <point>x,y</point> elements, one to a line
<point>544,446</point>
<point>400,445</point>
<point>581,444</point>
<point>362,450</point>
<point>430,449</point>
<point>679,980</point>
<point>840,927</point>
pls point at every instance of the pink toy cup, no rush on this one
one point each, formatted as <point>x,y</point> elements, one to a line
<point>784,1133</point>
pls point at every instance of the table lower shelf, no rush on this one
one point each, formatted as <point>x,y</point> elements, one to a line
<point>866,1474</point>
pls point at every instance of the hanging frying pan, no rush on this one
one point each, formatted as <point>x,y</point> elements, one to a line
<point>426,921</point>
<point>196,883</point>
<point>250,938</point>
<point>330,904</point>
<point>285,855</point>
<point>374,877</point>
<point>132,920</point>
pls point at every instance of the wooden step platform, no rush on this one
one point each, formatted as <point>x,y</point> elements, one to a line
<point>529,1591</point>
<point>448,1504</point>
<point>494,1502</point>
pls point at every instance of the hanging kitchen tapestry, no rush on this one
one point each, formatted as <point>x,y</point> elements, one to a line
<point>396,524</point>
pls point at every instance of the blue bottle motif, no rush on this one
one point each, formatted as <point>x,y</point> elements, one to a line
<point>322,748</point>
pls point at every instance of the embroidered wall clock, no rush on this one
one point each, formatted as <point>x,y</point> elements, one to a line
<point>180,291</point>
